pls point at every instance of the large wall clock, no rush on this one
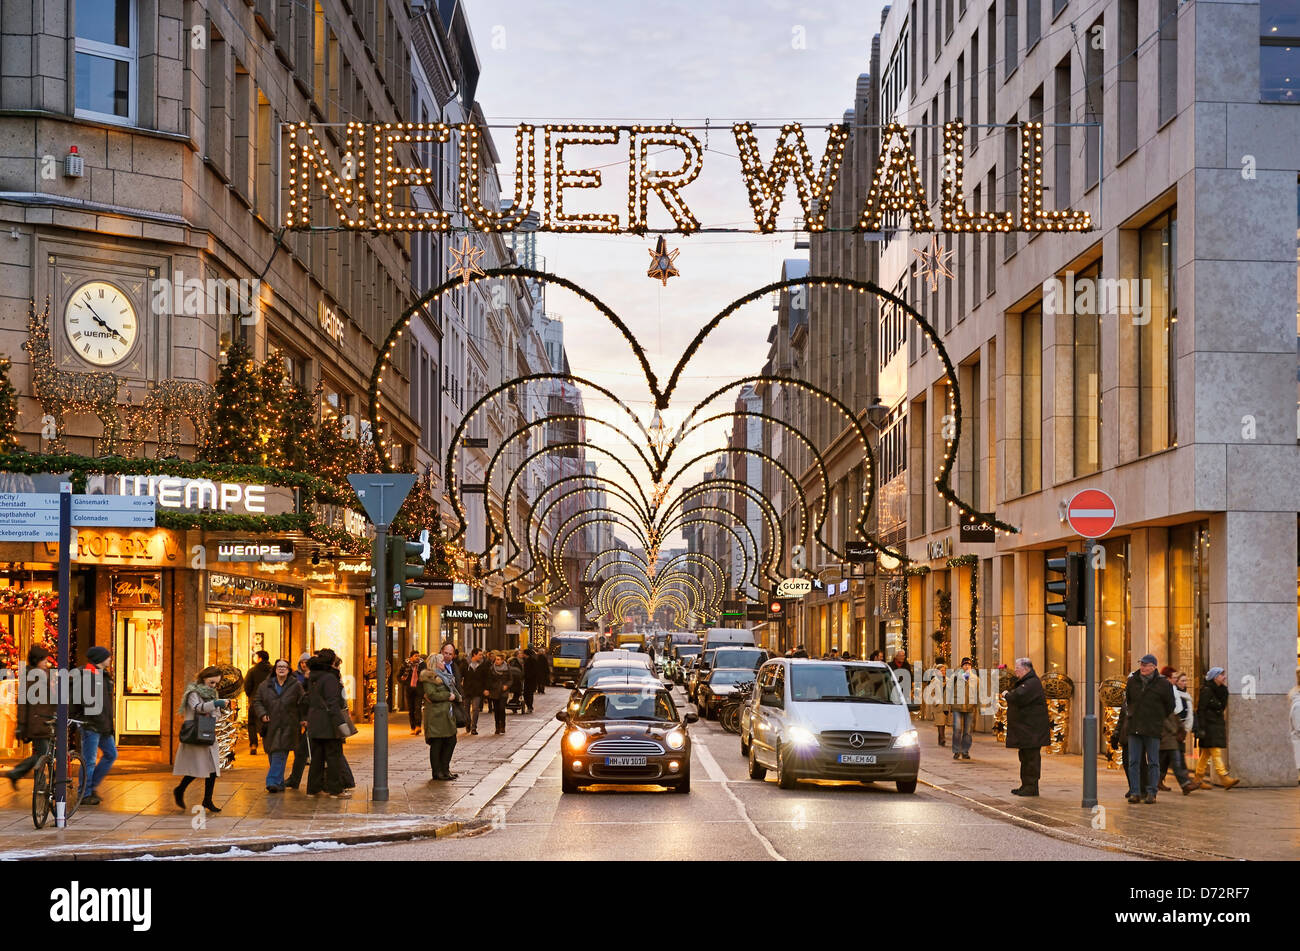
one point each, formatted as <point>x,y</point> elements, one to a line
<point>101,323</point>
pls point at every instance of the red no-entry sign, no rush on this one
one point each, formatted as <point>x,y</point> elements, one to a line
<point>1091,513</point>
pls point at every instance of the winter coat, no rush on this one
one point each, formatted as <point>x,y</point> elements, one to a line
<point>475,680</point>
<point>281,705</point>
<point>1211,726</point>
<point>936,696</point>
<point>498,682</point>
<point>254,678</point>
<point>516,674</point>
<point>965,696</point>
<point>1027,723</point>
<point>438,718</point>
<point>1176,722</point>
<point>542,669</point>
<point>1148,704</point>
<point>33,718</point>
<point>104,720</point>
<point>322,706</point>
<point>404,675</point>
<point>191,758</point>
<point>531,680</point>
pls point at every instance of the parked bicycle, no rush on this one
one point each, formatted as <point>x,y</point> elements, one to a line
<point>729,713</point>
<point>45,777</point>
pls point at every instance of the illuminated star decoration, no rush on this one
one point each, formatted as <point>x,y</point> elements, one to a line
<point>933,262</point>
<point>661,261</point>
<point>466,256</point>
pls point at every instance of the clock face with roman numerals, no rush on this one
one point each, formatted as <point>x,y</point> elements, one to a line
<point>101,323</point>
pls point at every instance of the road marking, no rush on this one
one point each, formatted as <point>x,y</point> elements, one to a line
<point>715,772</point>
<point>487,788</point>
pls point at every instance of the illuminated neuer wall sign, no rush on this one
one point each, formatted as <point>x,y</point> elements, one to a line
<point>367,182</point>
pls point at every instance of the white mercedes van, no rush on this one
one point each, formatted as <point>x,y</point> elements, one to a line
<point>830,719</point>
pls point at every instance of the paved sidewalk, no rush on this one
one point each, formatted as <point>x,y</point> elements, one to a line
<point>1240,823</point>
<point>139,817</point>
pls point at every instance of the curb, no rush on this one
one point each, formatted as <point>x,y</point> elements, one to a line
<point>223,846</point>
<point>1075,838</point>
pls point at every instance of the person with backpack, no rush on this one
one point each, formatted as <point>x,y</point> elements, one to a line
<point>321,710</point>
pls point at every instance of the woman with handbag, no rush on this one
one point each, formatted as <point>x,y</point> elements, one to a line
<point>324,720</point>
<point>197,754</point>
<point>275,709</point>
<point>499,679</point>
<point>440,693</point>
<point>1211,728</point>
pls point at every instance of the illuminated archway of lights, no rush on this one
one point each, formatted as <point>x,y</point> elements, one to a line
<point>494,535</point>
<point>688,518</point>
<point>701,605</point>
<point>770,516</point>
<point>662,397</point>
<point>653,591</point>
<point>713,572</point>
<point>540,520</point>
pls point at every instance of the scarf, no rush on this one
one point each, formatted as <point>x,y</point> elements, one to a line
<point>203,690</point>
<point>446,675</point>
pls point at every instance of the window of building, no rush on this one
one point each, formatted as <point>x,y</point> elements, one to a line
<point>106,51</point>
<point>218,124</point>
<point>990,69</point>
<point>1157,252</point>
<point>1033,23</point>
<point>1127,70</point>
<point>1093,75</point>
<point>241,154</point>
<point>1086,366</point>
<point>975,88</point>
<point>1115,611</point>
<point>1279,53</point>
<point>1011,35</point>
<point>1061,134</point>
<point>925,38</point>
<point>1031,400</point>
<point>1187,573</point>
<point>1168,59</point>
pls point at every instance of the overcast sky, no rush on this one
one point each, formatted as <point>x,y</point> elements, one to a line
<point>724,60</point>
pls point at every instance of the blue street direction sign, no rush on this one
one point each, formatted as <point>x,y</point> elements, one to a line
<point>34,516</point>
<point>382,494</point>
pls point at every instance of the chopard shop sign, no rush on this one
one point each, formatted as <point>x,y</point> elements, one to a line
<point>236,591</point>
<point>150,547</point>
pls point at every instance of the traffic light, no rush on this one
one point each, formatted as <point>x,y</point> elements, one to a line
<point>1069,587</point>
<point>400,571</point>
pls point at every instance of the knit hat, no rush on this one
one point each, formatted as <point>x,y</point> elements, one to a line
<point>36,655</point>
<point>964,661</point>
<point>1212,673</point>
<point>305,655</point>
<point>1148,659</point>
<point>97,654</point>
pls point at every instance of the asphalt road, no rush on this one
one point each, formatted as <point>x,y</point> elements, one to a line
<point>726,816</point>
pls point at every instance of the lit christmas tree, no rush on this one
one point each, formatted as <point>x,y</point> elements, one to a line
<point>8,409</point>
<point>234,433</point>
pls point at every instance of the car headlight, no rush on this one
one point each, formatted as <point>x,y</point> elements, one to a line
<point>801,737</point>
<point>906,739</point>
<point>576,740</point>
<point>676,740</point>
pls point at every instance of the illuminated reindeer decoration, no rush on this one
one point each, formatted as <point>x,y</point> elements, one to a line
<point>168,402</point>
<point>59,391</point>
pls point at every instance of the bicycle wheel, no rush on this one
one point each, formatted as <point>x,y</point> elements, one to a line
<point>42,790</point>
<point>76,770</point>
<point>730,718</point>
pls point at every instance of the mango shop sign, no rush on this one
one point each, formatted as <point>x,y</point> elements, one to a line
<point>172,492</point>
<point>156,547</point>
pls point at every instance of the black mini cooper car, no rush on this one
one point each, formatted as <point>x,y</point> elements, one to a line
<point>628,734</point>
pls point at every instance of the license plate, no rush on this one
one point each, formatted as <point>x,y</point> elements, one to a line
<point>624,760</point>
<point>858,759</point>
<point>566,662</point>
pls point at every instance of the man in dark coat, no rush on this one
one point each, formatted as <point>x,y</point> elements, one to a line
<point>530,678</point>
<point>99,724</point>
<point>475,684</point>
<point>34,724</point>
<point>543,669</point>
<point>1148,700</point>
<point>303,751</point>
<point>252,681</point>
<point>409,676</point>
<point>322,710</point>
<point>1028,728</point>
